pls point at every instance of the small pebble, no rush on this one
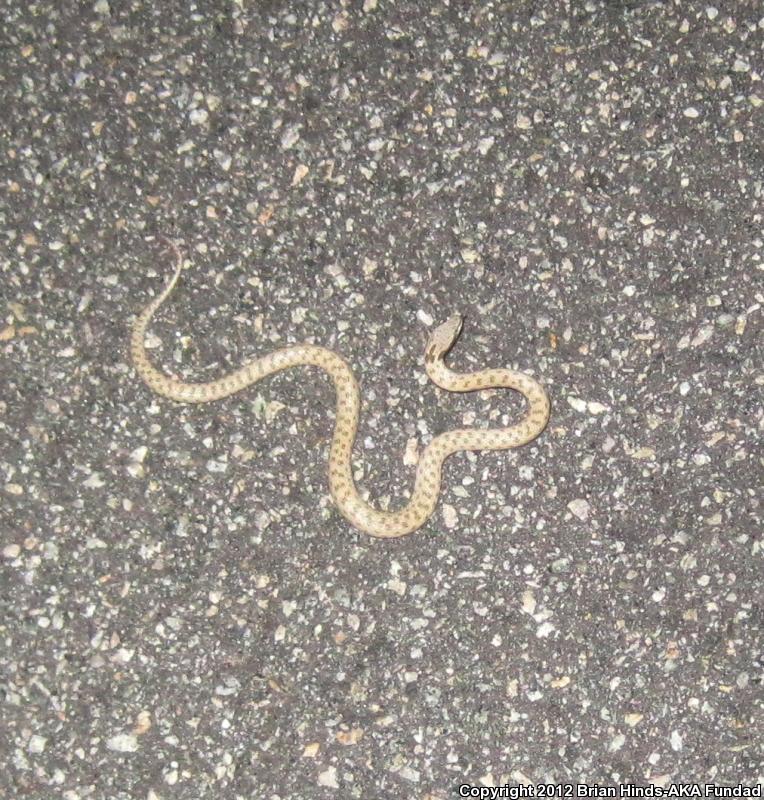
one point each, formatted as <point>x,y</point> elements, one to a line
<point>198,116</point>
<point>123,743</point>
<point>328,778</point>
<point>579,508</point>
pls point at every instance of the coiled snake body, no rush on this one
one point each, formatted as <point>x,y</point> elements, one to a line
<point>386,524</point>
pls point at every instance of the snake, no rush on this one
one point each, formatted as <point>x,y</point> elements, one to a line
<point>427,483</point>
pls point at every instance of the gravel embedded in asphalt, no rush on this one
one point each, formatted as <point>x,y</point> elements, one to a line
<point>184,612</point>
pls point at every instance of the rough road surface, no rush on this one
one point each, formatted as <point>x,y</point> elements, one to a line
<point>184,613</point>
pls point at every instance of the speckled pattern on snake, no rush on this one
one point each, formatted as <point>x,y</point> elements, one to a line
<point>385,524</point>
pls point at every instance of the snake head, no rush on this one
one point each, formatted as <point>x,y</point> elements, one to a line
<point>444,336</point>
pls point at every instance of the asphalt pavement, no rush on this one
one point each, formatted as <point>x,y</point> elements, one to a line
<point>184,613</point>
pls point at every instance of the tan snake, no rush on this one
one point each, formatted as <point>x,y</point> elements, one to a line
<point>386,524</point>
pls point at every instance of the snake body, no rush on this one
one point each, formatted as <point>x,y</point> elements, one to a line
<point>384,524</point>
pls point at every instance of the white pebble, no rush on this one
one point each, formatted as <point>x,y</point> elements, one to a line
<point>577,403</point>
<point>198,116</point>
<point>450,517</point>
<point>529,602</point>
<point>224,159</point>
<point>11,551</point>
<point>676,741</point>
<point>484,145</point>
<point>579,508</point>
<point>301,170</point>
<point>522,122</point>
<point>290,137</point>
<point>37,744</point>
<point>411,453</point>
<point>544,630</point>
<point>95,481</point>
<point>702,336</point>
<point>616,743</point>
<point>409,774</point>
<point>691,112</point>
<point>328,778</point>
<point>139,454</point>
<point>123,743</point>
<point>424,317</point>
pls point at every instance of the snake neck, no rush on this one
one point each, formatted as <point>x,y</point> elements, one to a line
<point>437,371</point>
